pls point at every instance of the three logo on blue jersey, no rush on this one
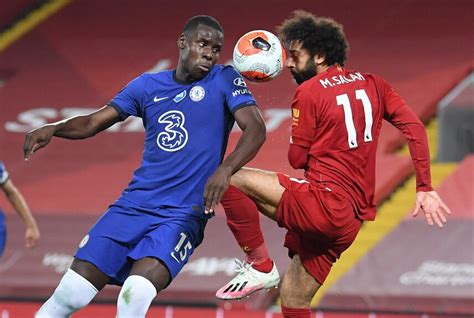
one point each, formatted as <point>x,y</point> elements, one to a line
<point>175,136</point>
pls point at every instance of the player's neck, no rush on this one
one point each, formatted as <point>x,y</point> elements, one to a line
<point>321,68</point>
<point>182,77</point>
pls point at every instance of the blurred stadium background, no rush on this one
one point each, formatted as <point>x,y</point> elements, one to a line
<point>60,58</point>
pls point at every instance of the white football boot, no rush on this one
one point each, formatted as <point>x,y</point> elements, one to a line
<point>248,281</point>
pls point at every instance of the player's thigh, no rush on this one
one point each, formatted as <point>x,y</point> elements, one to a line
<point>112,238</point>
<point>163,252</point>
<point>298,287</point>
<point>263,187</point>
<point>90,272</point>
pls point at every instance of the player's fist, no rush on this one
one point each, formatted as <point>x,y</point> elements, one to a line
<point>37,139</point>
<point>32,236</point>
<point>215,188</point>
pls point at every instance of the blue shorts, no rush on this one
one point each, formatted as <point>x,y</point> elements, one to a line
<point>3,233</point>
<point>126,233</point>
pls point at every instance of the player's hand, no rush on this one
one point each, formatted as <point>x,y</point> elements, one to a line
<point>432,206</point>
<point>37,139</point>
<point>32,236</point>
<point>215,188</point>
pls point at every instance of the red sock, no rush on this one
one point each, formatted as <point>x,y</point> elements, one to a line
<point>260,259</point>
<point>244,221</point>
<point>288,312</point>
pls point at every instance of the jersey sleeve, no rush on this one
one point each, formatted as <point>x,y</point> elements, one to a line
<point>298,156</point>
<point>3,174</point>
<point>399,114</point>
<point>304,118</point>
<point>129,101</point>
<point>237,95</point>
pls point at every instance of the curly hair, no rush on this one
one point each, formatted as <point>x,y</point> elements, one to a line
<point>319,35</point>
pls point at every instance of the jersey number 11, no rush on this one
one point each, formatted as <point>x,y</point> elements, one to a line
<point>343,100</point>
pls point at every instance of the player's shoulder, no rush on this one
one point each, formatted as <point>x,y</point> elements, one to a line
<point>307,92</point>
<point>223,70</point>
<point>147,81</point>
<point>309,86</point>
<point>221,75</point>
<point>340,75</point>
<point>366,75</point>
<point>139,80</point>
<point>157,76</point>
<point>377,80</point>
<point>373,79</point>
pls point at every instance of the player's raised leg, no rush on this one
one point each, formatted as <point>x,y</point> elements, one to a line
<point>263,188</point>
<point>76,289</point>
<point>243,220</point>
<point>258,270</point>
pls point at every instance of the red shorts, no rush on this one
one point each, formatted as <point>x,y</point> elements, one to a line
<point>321,224</point>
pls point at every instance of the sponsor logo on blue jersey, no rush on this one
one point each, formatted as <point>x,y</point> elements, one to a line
<point>173,136</point>
<point>180,97</point>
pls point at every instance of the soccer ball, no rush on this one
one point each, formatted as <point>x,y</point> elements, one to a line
<point>259,56</point>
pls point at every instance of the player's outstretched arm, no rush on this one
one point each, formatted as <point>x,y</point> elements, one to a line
<point>32,233</point>
<point>401,116</point>
<point>78,127</point>
<point>253,136</point>
<point>434,209</point>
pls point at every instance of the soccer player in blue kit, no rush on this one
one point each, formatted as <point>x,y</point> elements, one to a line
<point>18,203</point>
<point>146,236</point>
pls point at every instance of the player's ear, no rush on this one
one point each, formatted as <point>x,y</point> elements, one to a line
<point>182,41</point>
<point>319,59</point>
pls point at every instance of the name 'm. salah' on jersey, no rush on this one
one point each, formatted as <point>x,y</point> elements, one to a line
<point>337,116</point>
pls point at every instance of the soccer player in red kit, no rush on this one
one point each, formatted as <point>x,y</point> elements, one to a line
<point>337,118</point>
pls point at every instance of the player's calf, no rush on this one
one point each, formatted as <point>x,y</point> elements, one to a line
<point>298,287</point>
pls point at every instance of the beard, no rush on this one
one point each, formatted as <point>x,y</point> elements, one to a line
<point>306,74</point>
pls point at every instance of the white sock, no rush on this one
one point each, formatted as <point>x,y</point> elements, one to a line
<point>72,293</point>
<point>135,297</point>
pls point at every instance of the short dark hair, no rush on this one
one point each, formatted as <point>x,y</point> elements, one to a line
<point>318,35</point>
<point>207,20</point>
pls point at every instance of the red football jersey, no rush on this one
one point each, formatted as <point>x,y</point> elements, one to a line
<point>337,116</point>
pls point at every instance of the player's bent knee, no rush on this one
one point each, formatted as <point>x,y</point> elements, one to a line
<point>73,293</point>
<point>90,272</point>
<point>154,270</point>
<point>135,297</point>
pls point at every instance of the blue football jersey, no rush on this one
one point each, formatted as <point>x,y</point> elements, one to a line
<point>186,131</point>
